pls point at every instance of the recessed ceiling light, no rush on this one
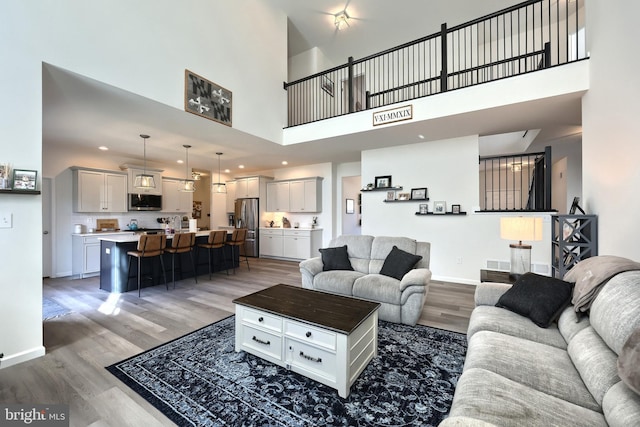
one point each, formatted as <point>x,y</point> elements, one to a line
<point>241,166</point>
<point>421,136</point>
<point>284,162</point>
<point>227,171</point>
<point>180,161</point>
<point>103,148</point>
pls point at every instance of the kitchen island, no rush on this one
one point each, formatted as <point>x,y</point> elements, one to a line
<point>115,277</point>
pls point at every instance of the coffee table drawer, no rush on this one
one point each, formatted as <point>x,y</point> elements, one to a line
<point>310,334</point>
<point>312,361</point>
<point>261,319</point>
<point>261,342</point>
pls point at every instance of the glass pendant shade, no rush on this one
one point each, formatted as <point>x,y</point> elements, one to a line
<point>187,185</point>
<point>219,187</point>
<point>144,180</point>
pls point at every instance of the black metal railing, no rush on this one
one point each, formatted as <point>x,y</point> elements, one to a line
<point>527,37</point>
<point>519,182</point>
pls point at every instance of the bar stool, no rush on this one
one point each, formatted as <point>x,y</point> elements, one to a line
<point>217,239</point>
<point>149,246</point>
<point>180,244</point>
<point>237,241</point>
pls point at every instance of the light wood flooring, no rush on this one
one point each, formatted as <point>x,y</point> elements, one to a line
<point>104,329</point>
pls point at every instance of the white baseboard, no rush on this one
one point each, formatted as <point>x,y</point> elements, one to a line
<point>455,280</point>
<point>14,359</point>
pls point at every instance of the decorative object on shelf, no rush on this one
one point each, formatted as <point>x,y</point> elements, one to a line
<point>285,222</point>
<point>24,179</point>
<point>314,222</point>
<point>197,209</point>
<point>327,85</point>
<point>351,206</point>
<point>520,228</point>
<point>423,209</point>
<point>404,196</point>
<point>439,208</point>
<point>383,181</point>
<point>369,186</point>
<point>219,187</point>
<point>206,99</point>
<point>5,175</point>
<point>418,194</point>
<point>188,185</point>
<point>575,206</point>
<point>455,209</point>
<point>144,180</point>
<point>391,195</point>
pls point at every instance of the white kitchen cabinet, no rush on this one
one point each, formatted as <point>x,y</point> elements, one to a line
<point>278,196</point>
<point>157,177</point>
<point>231,195</point>
<point>301,244</point>
<point>85,254</point>
<point>99,191</point>
<point>271,242</point>
<point>248,187</point>
<point>305,195</point>
<point>173,200</point>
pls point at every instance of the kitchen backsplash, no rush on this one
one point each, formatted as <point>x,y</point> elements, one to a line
<point>145,219</point>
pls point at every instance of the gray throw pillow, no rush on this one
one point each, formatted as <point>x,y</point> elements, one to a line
<point>335,259</point>
<point>540,298</point>
<point>629,362</point>
<point>398,263</point>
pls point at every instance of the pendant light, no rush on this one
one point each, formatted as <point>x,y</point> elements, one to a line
<point>144,180</point>
<point>219,187</point>
<point>188,185</point>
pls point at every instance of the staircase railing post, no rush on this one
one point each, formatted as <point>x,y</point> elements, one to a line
<point>350,84</point>
<point>547,55</point>
<point>444,61</point>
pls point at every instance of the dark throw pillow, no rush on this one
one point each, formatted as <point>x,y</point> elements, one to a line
<point>398,263</point>
<point>540,298</point>
<point>335,259</point>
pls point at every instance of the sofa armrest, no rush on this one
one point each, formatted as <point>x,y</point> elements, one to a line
<point>312,265</point>
<point>488,293</point>
<point>461,421</point>
<point>415,277</point>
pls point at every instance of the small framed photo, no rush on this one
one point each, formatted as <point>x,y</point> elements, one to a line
<point>418,194</point>
<point>383,181</point>
<point>24,179</point>
<point>423,209</point>
<point>439,207</point>
<point>403,196</point>
<point>391,195</point>
<point>351,206</point>
<point>455,209</point>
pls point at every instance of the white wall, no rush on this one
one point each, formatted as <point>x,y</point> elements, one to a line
<point>610,112</point>
<point>143,47</point>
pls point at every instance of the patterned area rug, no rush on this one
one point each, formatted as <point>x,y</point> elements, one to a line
<point>51,309</point>
<point>200,380</point>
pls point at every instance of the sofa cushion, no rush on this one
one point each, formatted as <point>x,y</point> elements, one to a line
<point>382,246</point>
<point>537,297</point>
<point>336,281</point>
<point>398,263</point>
<point>629,362</point>
<point>377,287</point>
<point>621,406</point>
<point>335,259</point>
<point>359,249</point>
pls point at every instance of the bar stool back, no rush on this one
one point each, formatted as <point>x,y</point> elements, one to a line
<point>237,241</point>
<point>149,246</point>
<point>180,244</point>
<point>216,241</point>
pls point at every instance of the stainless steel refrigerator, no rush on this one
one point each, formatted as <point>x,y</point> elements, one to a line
<point>247,216</point>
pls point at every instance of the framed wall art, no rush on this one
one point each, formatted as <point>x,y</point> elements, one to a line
<point>391,195</point>
<point>455,209</point>
<point>24,179</point>
<point>418,194</point>
<point>423,209</point>
<point>383,181</point>
<point>439,208</point>
<point>350,206</point>
<point>207,99</point>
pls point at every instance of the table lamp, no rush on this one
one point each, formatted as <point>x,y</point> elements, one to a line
<point>520,228</point>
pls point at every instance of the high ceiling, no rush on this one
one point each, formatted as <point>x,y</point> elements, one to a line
<point>82,113</point>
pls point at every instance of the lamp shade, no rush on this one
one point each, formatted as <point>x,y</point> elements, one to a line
<point>521,228</point>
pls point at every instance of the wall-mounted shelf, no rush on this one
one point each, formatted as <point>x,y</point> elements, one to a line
<point>9,191</point>
<point>409,200</point>
<point>382,189</point>
<point>446,213</point>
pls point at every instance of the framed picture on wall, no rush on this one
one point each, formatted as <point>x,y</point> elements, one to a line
<point>439,208</point>
<point>418,194</point>
<point>24,179</point>
<point>351,206</point>
<point>383,181</point>
<point>391,195</point>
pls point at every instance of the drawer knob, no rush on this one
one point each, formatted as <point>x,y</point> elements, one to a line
<point>260,319</point>
<point>311,358</point>
<point>308,334</point>
<point>258,340</point>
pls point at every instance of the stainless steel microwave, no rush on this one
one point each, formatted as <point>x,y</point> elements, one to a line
<point>145,202</point>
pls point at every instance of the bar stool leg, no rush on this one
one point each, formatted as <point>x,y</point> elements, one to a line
<point>193,265</point>
<point>173,270</point>
<point>164,273</point>
<point>139,259</point>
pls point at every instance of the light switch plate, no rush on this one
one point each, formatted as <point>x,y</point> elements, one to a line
<point>6,220</point>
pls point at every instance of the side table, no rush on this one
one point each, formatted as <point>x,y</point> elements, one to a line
<point>496,276</point>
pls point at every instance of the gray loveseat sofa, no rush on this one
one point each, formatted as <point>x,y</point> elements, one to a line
<point>569,374</point>
<point>401,301</point>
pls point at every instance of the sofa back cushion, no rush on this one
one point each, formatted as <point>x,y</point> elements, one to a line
<point>382,246</point>
<point>358,248</point>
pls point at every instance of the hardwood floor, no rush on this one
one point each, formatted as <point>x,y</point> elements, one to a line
<point>104,328</point>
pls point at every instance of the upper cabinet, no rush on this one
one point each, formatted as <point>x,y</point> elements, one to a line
<point>302,195</point>
<point>134,171</point>
<point>99,191</point>
<point>173,200</point>
<point>247,187</point>
<point>231,195</point>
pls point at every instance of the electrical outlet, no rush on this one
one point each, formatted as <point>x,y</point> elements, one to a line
<point>459,260</point>
<point>6,220</point>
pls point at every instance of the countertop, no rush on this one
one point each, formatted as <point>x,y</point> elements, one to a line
<point>291,228</point>
<point>131,237</point>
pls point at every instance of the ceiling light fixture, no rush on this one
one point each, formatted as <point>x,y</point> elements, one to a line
<point>195,176</point>
<point>341,20</point>
<point>144,180</point>
<point>219,187</point>
<point>188,185</point>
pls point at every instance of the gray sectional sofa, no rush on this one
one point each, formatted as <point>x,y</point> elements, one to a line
<point>569,374</point>
<point>401,301</point>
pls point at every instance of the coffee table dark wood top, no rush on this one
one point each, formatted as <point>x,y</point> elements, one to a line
<point>338,313</point>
